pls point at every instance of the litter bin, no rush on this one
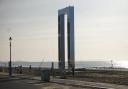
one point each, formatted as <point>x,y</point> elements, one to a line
<point>45,75</point>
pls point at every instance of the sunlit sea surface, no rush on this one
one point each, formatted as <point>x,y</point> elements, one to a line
<point>80,64</point>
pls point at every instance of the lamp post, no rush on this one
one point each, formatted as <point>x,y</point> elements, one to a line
<point>10,63</point>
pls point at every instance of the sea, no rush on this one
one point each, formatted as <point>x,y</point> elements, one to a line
<point>78,64</point>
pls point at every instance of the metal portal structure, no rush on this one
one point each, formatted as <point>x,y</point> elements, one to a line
<point>69,11</point>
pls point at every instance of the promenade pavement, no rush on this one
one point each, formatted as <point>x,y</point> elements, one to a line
<point>32,82</point>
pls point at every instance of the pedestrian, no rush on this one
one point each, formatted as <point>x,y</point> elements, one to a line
<point>20,69</point>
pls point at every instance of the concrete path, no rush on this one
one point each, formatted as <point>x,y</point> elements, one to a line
<point>75,83</point>
<point>93,85</point>
<point>85,84</point>
<point>26,82</point>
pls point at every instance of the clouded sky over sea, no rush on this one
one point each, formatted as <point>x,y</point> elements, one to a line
<point>101,29</point>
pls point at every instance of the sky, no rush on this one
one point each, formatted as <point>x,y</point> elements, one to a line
<point>101,28</point>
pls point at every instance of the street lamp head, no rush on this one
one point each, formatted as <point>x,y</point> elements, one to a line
<point>10,38</point>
